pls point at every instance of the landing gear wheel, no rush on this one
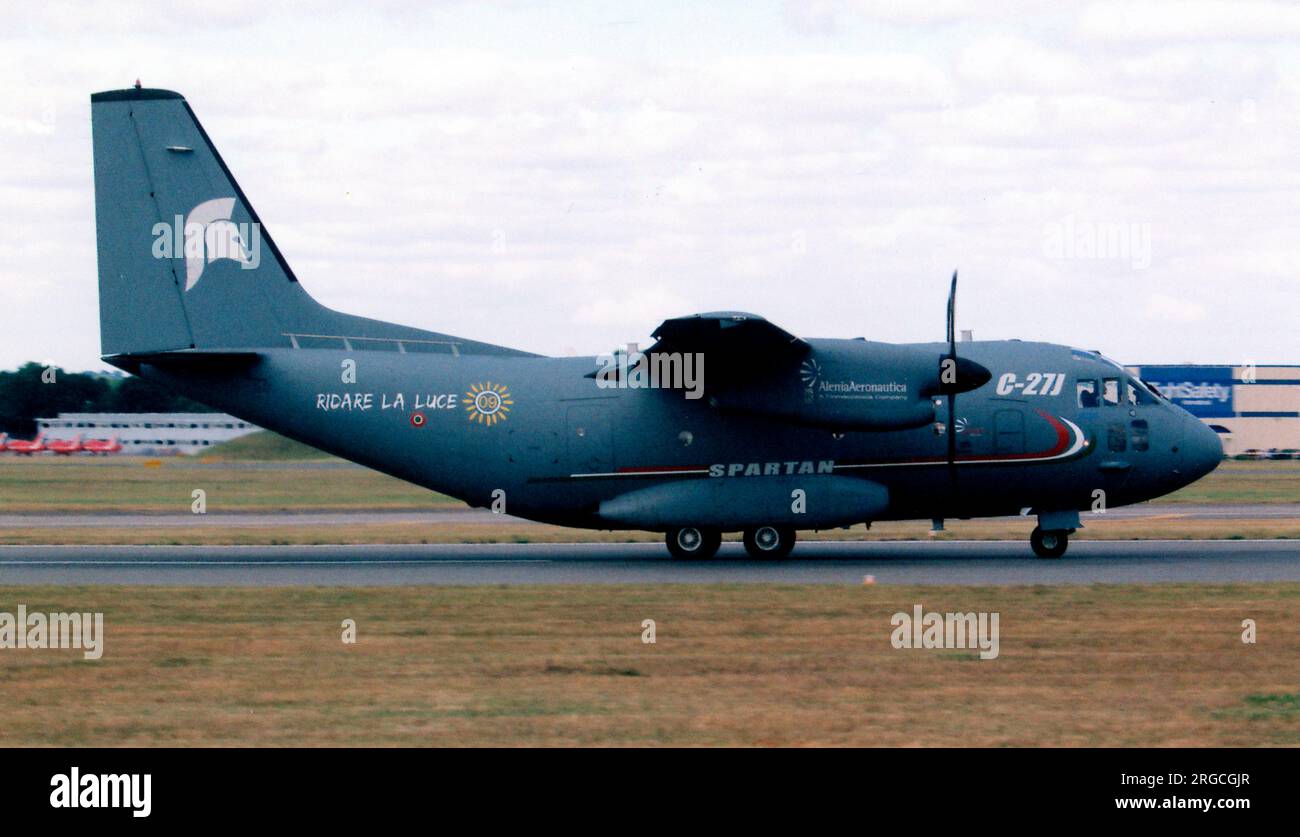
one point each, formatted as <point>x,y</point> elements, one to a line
<point>769,542</point>
<point>693,543</point>
<point>1050,543</point>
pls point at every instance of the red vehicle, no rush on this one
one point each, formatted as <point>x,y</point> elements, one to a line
<point>27,447</point>
<point>102,445</point>
<point>4,437</point>
<point>65,447</point>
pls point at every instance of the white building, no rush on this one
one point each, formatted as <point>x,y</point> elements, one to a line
<point>149,434</point>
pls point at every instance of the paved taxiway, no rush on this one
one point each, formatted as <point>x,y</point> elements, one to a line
<point>951,562</point>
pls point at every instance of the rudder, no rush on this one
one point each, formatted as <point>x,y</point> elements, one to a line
<point>184,261</point>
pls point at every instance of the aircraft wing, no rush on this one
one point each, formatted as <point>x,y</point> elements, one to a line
<point>731,340</point>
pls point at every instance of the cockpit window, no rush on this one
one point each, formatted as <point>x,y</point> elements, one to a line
<point>1136,393</point>
<point>1110,391</point>
<point>1087,390</point>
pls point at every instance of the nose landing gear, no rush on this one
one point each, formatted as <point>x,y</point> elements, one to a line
<point>1052,535</point>
<point>1049,543</point>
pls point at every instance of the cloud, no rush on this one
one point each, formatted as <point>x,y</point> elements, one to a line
<point>1164,308</point>
<point>1190,20</point>
<point>507,174</point>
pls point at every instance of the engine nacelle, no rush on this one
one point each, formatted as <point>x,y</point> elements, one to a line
<point>845,385</point>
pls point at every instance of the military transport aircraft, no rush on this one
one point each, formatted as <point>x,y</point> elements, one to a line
<point>782,433</point>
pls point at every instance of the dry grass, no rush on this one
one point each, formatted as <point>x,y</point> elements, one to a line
<point>733,665</point>
<point>1169,527</point>
<point>1244,482</point>
<point>132,484</point>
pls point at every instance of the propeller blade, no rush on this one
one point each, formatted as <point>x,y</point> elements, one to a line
<point>952,316</point>
<point>952,396</point>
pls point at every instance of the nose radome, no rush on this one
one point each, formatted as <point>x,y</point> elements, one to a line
<point>1202,450</point>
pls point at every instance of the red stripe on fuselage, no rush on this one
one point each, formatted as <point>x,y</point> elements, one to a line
<point>1062,444</point>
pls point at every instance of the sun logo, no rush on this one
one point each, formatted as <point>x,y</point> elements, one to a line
<point>809,371</point>
<point>489,403</point>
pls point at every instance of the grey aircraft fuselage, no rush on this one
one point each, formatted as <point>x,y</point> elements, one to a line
<point>567,444</point>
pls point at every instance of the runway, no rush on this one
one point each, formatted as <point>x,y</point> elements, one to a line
<point>950,562</point>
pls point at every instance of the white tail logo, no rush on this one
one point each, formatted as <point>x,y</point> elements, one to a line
<point>209,235</point>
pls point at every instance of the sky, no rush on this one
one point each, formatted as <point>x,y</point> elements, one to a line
<point>560,178</point>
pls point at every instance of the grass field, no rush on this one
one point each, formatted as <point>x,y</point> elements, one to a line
<point>732,665</point>
<point>264,446</point>
<point>1165,528</point>
<point>132,484</point>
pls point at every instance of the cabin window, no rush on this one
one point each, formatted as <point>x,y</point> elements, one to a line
<point>1115,438</point>
<point>1141,434</point>
<point>1087,390</point>
<point>1110,392</point>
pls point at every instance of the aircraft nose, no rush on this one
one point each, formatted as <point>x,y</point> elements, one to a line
<point>1201,451</point>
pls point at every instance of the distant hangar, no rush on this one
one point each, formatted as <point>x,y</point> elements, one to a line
<point>149,434</point>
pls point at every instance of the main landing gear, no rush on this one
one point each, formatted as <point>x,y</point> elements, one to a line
<point>696,543</point>
<point>769,542</point>
<point>688,543</point>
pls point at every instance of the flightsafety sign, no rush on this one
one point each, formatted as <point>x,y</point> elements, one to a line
<point>1204,391</point>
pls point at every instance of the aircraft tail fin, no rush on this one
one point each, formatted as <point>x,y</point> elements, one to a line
<point>184,261</point>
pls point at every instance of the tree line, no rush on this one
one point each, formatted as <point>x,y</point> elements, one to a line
<point>37,391</point>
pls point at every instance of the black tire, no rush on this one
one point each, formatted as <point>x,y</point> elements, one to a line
<point>1051,543</point>
<point>769,543</point>
<point>693,543</point>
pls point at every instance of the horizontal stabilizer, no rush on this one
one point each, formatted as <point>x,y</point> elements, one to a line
<point>189,360</point>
